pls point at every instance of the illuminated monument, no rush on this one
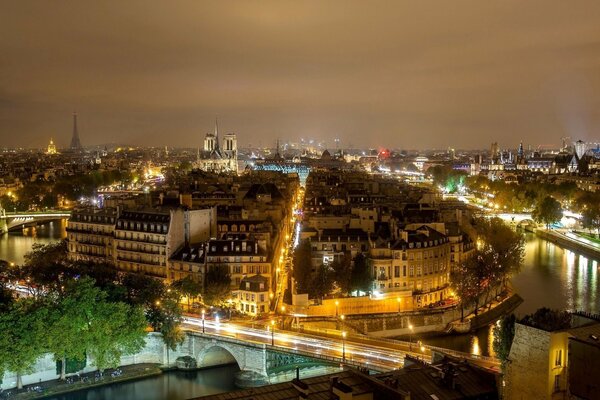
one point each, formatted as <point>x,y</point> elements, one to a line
<point>216,159</point>
<point>51,148</point>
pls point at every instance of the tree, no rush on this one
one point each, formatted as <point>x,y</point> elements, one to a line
<point>46,268</point>
<point>548,319</point>
<point>303,266</point>
<point>361,278</point>
<point>342,270</point>
<point>464,282</point>
<point>217,285</point>
<point>591,217</point>
<point>187,287</point>
<point>322,283</point>
<point>82,321</point>
<point>119,330</point>
<point>142,290</point>
<point>504,332</point>
<point>548,211</point>
<point>502,249</point>
<point>23,338</point>
<point>165,317</point>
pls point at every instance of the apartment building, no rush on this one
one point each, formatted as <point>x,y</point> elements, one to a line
<point>90,233</point>
<point>146,239</point>
<point>242,255</point>
<point>252,297</point>
<point>419,260</point>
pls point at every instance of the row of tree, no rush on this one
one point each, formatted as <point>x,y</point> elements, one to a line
<point>498,255</point>
<point>71,324</point>
<point>78,308</point>
<point>344,275</point>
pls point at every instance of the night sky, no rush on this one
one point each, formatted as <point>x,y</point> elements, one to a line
<point>404,74</point>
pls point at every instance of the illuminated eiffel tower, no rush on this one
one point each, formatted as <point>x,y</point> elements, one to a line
<point>75,143</point>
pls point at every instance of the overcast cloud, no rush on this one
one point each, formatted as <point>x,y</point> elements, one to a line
<point>404,74</point>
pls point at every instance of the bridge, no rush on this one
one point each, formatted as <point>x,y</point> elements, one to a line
<point>376,354</point>
<point>261,355</point>
<point>14,220</point>
<point>516,218</point>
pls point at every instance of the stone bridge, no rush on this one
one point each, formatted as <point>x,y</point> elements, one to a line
<point>256,360</point>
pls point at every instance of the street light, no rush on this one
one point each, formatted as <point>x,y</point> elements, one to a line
<point>410,336</point>
<point>272,333</point>
<point>337,303</point>
<point>399,302</point>
<point>344,346</point>
<point>203,313</point>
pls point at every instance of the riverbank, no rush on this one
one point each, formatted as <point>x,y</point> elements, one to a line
<point>565,241</point>
<point>82,381</point>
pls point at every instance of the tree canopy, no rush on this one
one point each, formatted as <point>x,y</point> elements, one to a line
<point>548,211</point>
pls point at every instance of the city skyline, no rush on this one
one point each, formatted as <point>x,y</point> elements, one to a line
<point>415,76</point>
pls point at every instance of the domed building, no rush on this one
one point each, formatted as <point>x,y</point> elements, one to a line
<point>51,148</point>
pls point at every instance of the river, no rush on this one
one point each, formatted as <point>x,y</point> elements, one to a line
<point>551,277</point>
<point>173,385</point>
<point>14,245</point>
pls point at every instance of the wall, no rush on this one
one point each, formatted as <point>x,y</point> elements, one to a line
<point>358,305</point>
<point>203,224</point>
<point>526,374</point>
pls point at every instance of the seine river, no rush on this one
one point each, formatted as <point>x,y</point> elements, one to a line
<point>551,277</point>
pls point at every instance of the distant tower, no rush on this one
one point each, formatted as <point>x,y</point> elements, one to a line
<point>580,148</point>
<point>494,152</point>
<point>211,142</point>
<point>520,152</point>
<point>75,143</point>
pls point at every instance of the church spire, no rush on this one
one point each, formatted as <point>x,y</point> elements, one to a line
<point>216,134</point>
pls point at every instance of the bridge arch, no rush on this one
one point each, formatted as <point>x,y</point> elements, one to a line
<point>217,354</point>
<point>526,221</point>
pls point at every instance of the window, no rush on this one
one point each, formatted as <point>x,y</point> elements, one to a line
<point>556,383</point>
<point>396,271</point>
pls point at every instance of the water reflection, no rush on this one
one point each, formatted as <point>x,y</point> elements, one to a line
<point>175,385</point>
<point>556,278</point>
<point>14,245</point>
<point>475,346</point>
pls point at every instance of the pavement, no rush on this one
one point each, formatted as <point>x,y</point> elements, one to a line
<point>80,381</point>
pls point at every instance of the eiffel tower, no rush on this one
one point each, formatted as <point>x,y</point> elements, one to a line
<point>75,143</point>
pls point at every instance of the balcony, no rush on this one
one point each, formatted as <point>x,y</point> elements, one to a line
<point>382,277</point>
<point>162,241</point>
<point>126,259</point>
<point>129,250</point>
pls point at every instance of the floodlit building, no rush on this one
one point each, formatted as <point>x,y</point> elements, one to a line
<point>215,158</point>
<point>90,234</point>
<point>253,295</point>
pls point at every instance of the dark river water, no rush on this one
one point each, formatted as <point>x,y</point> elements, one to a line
<point>551,277</point>
<point>174,385</point>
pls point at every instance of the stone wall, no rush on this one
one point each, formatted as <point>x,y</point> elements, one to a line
<point>526,373</point>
